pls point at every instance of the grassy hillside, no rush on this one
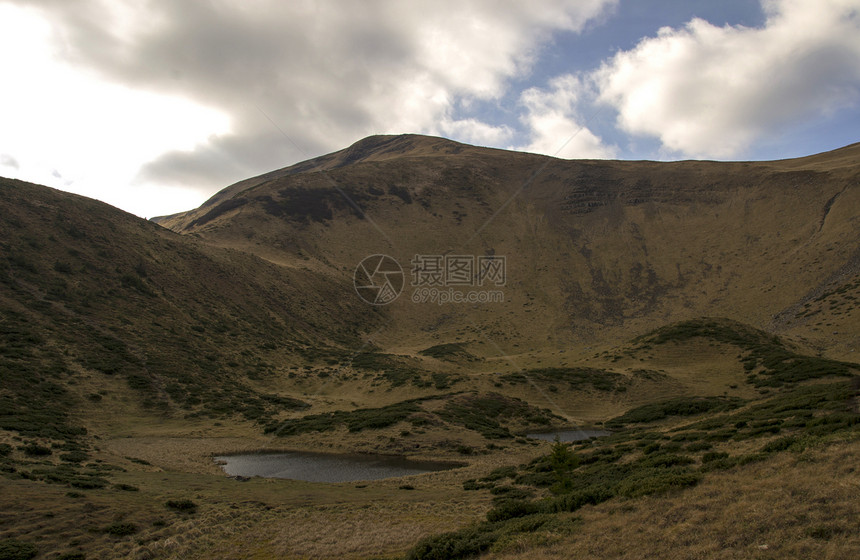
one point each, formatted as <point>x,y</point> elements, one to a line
<point>704,312</point>
<point>596,250</point>
<point>91,295</point>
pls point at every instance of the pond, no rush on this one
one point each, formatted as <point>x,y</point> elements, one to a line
<point>569,435</point>
<point>326,467</point>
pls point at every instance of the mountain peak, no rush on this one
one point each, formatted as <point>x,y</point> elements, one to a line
<point>388,146</point>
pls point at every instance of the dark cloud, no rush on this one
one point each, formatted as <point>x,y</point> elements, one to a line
<point>326,73</point>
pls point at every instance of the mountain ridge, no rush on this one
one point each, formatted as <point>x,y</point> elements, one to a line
<point>416,145</point>
<point>616,225</point>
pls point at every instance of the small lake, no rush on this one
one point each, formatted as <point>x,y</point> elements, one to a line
<point>569,435</point>
<point>326,467</point>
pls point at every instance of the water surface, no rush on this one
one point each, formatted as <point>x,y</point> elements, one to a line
<point>326,467</point>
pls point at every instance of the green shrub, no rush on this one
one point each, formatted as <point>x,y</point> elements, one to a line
<point>510,509</point>
<point>778,364</point>
<point>13,549</point>
<point>472,485</point>
<point>355,421</point>
<point>577,499</point>
<point>121,529</point>
<point>656,480</point>
<point>486,413</point>
<point>651,448</point>
<point>780,444</point>
<point>74,457</point>
<point>824,532</point>
<point>722,463</point>
<point>70,475</point>
<point>35,450</point>
<point>664,460</point>
<point>447,352</point>
<point>464,543</point>
<point>576,378</point>
<point>504,493</point>
<point>683,406</point>
<point>500,473</point>
<point>186,506</point>
<point>713,456</point>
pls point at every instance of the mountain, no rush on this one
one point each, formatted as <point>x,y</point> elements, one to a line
<point>595,250</point>
<point>705,312</point>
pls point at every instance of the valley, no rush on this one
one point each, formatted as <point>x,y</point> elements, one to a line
<point>704,313</point>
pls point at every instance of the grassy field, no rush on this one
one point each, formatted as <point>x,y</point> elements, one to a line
<point>148,488</point>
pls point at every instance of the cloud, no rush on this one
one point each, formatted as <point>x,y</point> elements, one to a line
<point>555,125</point>
<point>708,91</point>
<point>325,73</point>
<point>472,131</point>
<point>8,161</point>
<point>70,129</point>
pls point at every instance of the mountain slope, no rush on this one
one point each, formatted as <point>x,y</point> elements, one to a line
<point>595,250</point>
<point>90,294</point>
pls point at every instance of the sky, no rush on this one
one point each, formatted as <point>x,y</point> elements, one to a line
<point>154,105</point>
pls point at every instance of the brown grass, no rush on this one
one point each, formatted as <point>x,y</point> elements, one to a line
<point>792,506</point>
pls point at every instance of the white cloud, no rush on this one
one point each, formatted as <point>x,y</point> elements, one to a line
<point>708,91</point>
<point>555,127</point>
<point>72,130</point>
<point>326,73</point>
<point>473,131</point>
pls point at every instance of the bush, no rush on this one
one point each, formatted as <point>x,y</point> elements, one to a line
<point>510,509</point>
<point>713,456</point>
<point>500,473</point>
<point>656,480</point>
<point>121,529</point>
<point>457,544</point>
<point>486,413</point>
<point>12,549</point>
<point>780,444</point>
<point>664,460</point>
<point>34,450</point>
<point>74,457</point>
<point>356,420</point>
<point>824,532</point>
<point>576,378</point>
<point>446,351</point>
<point>181,505</point>
<point>683,406</point>
<point>575,500</point>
